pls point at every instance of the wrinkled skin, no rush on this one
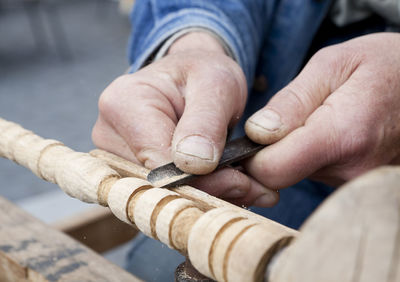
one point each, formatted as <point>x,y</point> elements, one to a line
<point>340,117</point>
<point>196,91</point>
<point>336,120</point>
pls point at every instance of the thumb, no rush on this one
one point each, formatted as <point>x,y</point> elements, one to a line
<point>290,107</point>
<point>214,99</point>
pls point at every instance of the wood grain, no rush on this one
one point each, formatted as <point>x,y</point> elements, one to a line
<point>33,251</point>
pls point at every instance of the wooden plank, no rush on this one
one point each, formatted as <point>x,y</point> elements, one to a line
<point>32,251</point>
<point>97,229</point>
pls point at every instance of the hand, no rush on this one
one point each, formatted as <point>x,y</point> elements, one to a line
<point>339,118</point>
<point>179,108</point>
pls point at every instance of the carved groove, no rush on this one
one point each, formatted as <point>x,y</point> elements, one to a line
<point>42,152</point>
<point>172,224</point>
<point>217,238</point>
<point>161,204</point>
<point>11,143</point>
<point>132,201</point>
<point>104,188</point>
<point>226,257</point>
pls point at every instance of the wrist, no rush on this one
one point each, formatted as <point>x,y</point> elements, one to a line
<point>197,40</point>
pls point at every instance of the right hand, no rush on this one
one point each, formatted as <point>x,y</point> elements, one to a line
<point>179,109</point>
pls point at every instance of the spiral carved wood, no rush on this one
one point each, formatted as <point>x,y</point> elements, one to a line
<point>220,242</point>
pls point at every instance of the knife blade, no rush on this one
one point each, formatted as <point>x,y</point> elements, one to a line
<point>236,150</point>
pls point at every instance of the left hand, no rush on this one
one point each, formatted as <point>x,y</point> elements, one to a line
<point>339,118</point>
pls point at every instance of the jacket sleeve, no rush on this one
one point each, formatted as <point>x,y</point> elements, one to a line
<point>240,24</point>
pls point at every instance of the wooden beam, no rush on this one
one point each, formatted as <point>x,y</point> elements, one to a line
<point>32,251</point>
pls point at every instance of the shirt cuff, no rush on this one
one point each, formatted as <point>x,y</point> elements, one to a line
<point>185,21</point>
<point>167,44</point>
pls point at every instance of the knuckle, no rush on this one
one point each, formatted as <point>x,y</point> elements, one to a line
<point>105,103</point>
<point>219,75</point>
<point>124,91</point>
<point>300,98</point>
<point>323,54</point>
<point>96,135</point>
<point>226,72</point>
<point>329,59</point>
<point>239,179</point>
<point>228,83</point>
<point>108,98</point>
<point>357,142</point>
<point>330,56</point>
<point>339,61</point>
<point>99,135</point>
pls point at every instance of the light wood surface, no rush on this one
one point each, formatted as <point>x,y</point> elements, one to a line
<point>353,237</point>
<point>136,201</point>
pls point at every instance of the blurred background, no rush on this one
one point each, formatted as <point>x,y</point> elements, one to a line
<point>56,57</point>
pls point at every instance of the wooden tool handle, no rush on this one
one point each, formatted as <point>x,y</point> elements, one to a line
<point>223,241</point>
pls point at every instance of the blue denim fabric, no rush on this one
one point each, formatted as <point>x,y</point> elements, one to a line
<point>282,29</point>
<point>155,21</point>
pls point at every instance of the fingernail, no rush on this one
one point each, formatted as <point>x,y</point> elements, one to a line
<point>267,119</point>
<point>234,193</point>
<point>263,201</point>
<point>196,146</point>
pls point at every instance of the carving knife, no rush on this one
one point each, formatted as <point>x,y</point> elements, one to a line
<point>236,150</point>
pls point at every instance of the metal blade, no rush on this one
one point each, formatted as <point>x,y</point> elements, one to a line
<point>236,150</point>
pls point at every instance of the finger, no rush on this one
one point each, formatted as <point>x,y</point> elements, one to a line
<point>338,141</point>
<point>236,187</point>
<point>290,107</point>
<point>299,154</point>
<point>214,99</point>
<point>258,196</point>
<point>225,183</point>
<point>261,196</point>
<point>147,128</point>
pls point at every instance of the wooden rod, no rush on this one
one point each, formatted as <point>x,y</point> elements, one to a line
<point>203,200</point>
<point>194,224</point>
